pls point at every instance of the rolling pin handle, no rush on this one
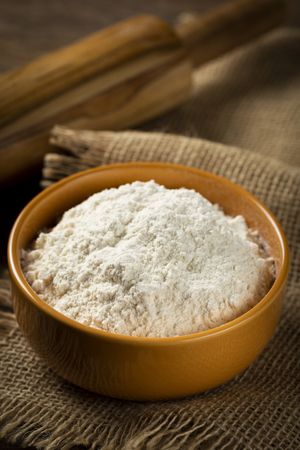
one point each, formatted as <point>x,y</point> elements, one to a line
<point>235,23</point>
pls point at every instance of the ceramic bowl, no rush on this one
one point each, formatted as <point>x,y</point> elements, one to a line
<point>140,368</point>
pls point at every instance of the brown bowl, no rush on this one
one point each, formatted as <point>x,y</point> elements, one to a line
<point>134,367</point>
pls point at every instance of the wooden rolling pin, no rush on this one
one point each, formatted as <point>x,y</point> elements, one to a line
<point>117,77</point>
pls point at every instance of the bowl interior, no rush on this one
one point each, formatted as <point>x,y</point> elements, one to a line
<point>45,209</point>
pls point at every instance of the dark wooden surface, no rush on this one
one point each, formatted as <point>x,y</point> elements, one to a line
<point>29,28</point>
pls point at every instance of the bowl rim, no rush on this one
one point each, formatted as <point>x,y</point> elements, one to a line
<point>19,279</point>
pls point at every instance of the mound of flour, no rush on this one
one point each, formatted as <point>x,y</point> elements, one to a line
<point>143,260</point>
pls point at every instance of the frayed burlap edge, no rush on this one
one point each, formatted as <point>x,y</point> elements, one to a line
<point>173,431</point>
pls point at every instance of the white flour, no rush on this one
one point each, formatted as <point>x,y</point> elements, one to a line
<point>144,260</point>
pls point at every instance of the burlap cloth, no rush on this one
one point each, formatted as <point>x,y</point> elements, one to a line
<point>259,409</point>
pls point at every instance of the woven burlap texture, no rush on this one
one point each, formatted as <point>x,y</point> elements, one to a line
<point>258,410</point>
<point>249,98</point>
